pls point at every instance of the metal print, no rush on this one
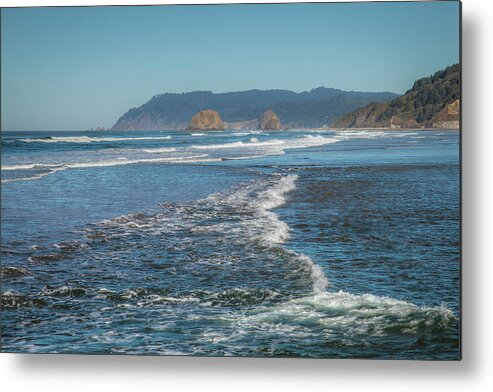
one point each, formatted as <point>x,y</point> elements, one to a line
<point>271,180</point>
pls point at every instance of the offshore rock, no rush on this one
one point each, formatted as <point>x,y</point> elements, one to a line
<point>269,121</point>
<point>206,120</point>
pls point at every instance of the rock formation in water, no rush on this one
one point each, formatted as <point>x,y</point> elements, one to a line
<point>269,121</point>
<point>206,120</point>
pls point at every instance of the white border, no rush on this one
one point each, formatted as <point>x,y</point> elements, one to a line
<point>125,373</point>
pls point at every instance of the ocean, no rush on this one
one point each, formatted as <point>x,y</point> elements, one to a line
<point>300,243</point>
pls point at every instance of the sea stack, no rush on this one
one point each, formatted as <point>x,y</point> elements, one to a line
<point>206,120</point>
<point>269,121</point>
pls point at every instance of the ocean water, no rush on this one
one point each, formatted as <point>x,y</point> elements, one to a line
<point>238,243</point>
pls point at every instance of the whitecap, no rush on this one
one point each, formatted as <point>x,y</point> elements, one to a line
<point>87,139</point>
<point>237,145</point>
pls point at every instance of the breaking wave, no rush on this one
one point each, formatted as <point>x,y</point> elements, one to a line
<point>87,139</point>
<point>52,169</point>
<point>267,228</point>
<point>238,145</point>
<point>232,274</point>
<point>254,148</point>
<point>273,145</point>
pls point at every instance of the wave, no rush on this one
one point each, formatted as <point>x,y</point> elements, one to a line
<point>52,169</point>
<point>241,217</point>
<point>160,150</point>
<point>242,157</point>
<point>342,315</point>
<point>30,178</point>
<point>275,145</point>
<point>145,297</point>
<point>245,216</point>
<point>109,162</point>
<point>13,300</point>
<point>258,223</point>
<point>252,149</point>
<point>125,161</point>
<point>64,291</point>
<point>48,169</point>
<point>232,250</point>
<point>87,139</point>
<point>13,272</point>
<point>39,166</point>
<point>361,134</point>
<point>237,145</point>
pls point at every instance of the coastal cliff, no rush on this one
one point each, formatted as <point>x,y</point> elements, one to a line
<point>449,117</point>
<point>206,120</point>
<point>432,102</point>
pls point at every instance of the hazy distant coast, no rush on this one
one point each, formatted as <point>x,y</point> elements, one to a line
<point>316,108</point>
<point>432,103</point>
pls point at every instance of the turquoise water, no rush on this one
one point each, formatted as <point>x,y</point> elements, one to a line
<point>245,243</point>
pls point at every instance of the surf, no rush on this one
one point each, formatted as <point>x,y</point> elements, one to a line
<point>88,139</point>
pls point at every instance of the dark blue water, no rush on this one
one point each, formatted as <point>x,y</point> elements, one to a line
<point>296,243</point>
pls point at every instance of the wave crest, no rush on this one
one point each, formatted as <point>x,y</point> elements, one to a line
<point>88,139</point>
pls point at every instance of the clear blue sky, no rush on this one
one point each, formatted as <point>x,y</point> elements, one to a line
<point>79,68</point>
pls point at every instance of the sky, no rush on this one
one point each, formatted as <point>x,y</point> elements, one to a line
<point>76,68</point>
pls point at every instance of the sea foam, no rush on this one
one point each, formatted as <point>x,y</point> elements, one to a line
<point>265,227</point>
<point>87,139</point>
<point>52,169</point>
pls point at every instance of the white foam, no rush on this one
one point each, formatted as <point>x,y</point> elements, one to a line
<point>265,227</point>
<point>237,145</point>
<point>200,158</point>
<point>369,134</point>
<point>273,146</point>
<point>125,161</point>
<point>159,150</point>
<point>30,166</point>
<point>35,177</point>
<point>309,141</point>
<point>353,314</point>
<point>51,170</point>
<point>274,196</point>
<point>403,134</point>
<point>278,231</point>
<point>340,312</point>
<point>87,139</point>
<point>255,148</point>
<point>320,281</point>
<point>249,157</point>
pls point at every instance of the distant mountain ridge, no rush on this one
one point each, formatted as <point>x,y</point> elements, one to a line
<point>308,109</point>
<point>432,102</point>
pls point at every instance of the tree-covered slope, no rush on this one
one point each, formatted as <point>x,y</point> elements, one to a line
<point>418,107</point>
<point>314,108</point>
